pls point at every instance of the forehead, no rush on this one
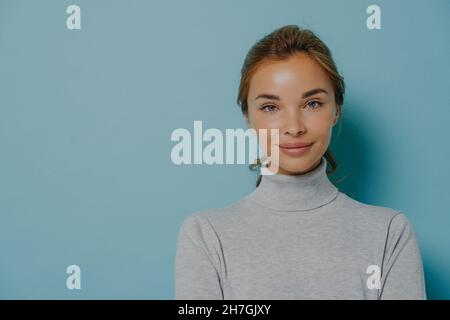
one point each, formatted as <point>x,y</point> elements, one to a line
<point>299,73</point>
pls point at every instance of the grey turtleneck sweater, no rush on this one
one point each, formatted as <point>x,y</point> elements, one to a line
<point>298,237</point>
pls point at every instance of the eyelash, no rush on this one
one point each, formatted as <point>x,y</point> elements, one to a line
<point>319,104</point>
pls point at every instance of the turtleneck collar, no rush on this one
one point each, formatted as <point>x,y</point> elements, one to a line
<point>299,192</point>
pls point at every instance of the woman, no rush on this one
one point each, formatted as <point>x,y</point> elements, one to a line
<point>296,236</point>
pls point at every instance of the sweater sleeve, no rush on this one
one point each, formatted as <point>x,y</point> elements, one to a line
<point>402,276</point>
<point>197,262</point>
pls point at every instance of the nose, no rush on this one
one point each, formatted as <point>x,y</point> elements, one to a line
<point>294,132</point>
<point>293,124</point>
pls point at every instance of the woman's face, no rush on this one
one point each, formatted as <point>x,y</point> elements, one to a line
<point>282,96</point>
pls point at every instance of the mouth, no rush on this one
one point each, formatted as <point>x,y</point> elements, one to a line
<point>295,149</point>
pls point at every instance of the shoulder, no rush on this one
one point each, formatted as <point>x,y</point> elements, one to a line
<point>196,222</point>
<point>375,215</point>
<point>196,232</point>
<point>400,226</point>
<point>210,222</point>
<point>374,221</point>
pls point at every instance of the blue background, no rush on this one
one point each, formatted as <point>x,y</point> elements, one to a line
<point>86,117</point>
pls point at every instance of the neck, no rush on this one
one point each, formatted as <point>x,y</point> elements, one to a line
<point>299,192</point>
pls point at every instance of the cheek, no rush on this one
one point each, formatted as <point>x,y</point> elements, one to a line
<point>320,125</point>
<point>263,121</point>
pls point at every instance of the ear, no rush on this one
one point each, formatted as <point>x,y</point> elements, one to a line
<point>338,114</point>
<point>247,120</point>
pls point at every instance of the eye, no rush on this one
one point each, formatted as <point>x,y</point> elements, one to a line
<point>317,104</point>
<point>268,108</point>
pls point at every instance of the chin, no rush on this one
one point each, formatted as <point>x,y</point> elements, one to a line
<point>292,167</point>
<point>295,165</point>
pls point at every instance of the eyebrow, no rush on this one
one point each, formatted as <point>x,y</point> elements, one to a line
<point>305,95</point>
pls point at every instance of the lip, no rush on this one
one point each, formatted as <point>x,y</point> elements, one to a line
<point>295,149</point>
<point>295,145</point>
